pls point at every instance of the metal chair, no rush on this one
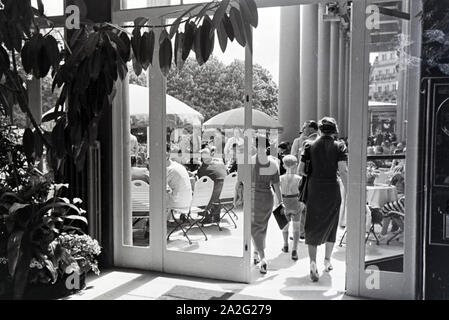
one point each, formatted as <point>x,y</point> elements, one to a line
<point>376,218</point>
<point>226,199</point>
<point>140,200</point>
<point>186,219</point>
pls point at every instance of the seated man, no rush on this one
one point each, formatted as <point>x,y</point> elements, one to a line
<point>179,195</point>
<point>139,173</point>
<point>217,172</point>
<point>388,213</point>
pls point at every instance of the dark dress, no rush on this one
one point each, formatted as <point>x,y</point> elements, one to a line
<point>324,198</point>
<point>264,176</point>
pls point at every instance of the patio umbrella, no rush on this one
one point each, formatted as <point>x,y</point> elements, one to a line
<point>235,119</point>
<point>178,112</point>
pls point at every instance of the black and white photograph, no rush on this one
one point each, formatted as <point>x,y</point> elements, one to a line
<point>239,151</point>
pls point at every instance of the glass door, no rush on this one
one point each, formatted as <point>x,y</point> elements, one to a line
<point>171,215</point>
<point>384,54</point>
<point>206,233</point>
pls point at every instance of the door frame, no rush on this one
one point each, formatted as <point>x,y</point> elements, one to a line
<point>392,285</point>
<point>355,264</point>
<point>156,257</point>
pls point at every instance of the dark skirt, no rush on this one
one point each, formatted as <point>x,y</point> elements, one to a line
<point>323,208</point>
<point>263,208</point>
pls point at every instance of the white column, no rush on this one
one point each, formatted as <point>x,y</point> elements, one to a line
<point>127,210</point>
<point>347,84</point>
<point>341,83</point>
<point>309,63</point>
<point>334,69</point>
<point>289,72</point>
<point>323,64</point>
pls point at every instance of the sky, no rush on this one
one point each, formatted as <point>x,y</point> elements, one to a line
<point>265,38</point>
<point>265,43</point>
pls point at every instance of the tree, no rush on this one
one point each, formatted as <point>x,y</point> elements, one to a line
<point>215,87</point>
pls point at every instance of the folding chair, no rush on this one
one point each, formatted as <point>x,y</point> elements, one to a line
<point>140,200</point>
<point>202,194</point>
<point>226,198</point>
<point>376,218</point>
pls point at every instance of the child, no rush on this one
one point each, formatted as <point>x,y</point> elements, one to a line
<point>292,206</point>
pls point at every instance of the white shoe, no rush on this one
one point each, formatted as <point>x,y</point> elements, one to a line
<point>328,265</point>
<point>256,258</point>
<point>314,276</point>
<point>263,266</point>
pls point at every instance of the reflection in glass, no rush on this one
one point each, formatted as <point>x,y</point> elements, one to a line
<point>202,162</point>
<point>386,153</point>
<point>139,155</point>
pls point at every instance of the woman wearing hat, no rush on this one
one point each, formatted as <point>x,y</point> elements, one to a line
<point>265,179</point>
<point>320,161</point>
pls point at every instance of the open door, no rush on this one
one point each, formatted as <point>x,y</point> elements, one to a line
<point>384,117</point>
<point>145,235</point>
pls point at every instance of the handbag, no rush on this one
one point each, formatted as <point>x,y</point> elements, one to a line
<point>280,217</point>
<point>304,182</point>
<point>303,189</point>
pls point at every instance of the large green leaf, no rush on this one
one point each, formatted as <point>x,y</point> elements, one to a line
<point>91,45</point>
<point>52,116</point>
<point>249,12</point>
<point>38,145</point>
<point>237,26</point>
<point>140,21</point>
<point>75,217</point>
<point>127,45</point>
<point>40,7</point>
<point>28,143</point>
<point>207,39</point>
<point>219,14</point>
<point>122,42</point>
<point>222,36</point>
<point>179,45</point>
<point>17,206</point>
<point>52,269</point>
<point>189,39</point>
<point>4,61</point>
<point>22,271</point>
<point>175,26</point>
<point>14,247</point>
<point>137,67</point>
<point>147,49</point>
<point>136,40</point>
<point>52,50</point>
<point>197,47</point>
<point>43,63</point>
<point>165,53</point>
<point>58,138</point>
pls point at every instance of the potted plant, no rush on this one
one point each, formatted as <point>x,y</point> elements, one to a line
<point>42,237</point>
<point>45,242</point>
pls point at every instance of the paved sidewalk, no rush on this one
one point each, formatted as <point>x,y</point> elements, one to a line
<point>121,284</point>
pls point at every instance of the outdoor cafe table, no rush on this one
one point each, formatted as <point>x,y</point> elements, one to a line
<point>378,196</point>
